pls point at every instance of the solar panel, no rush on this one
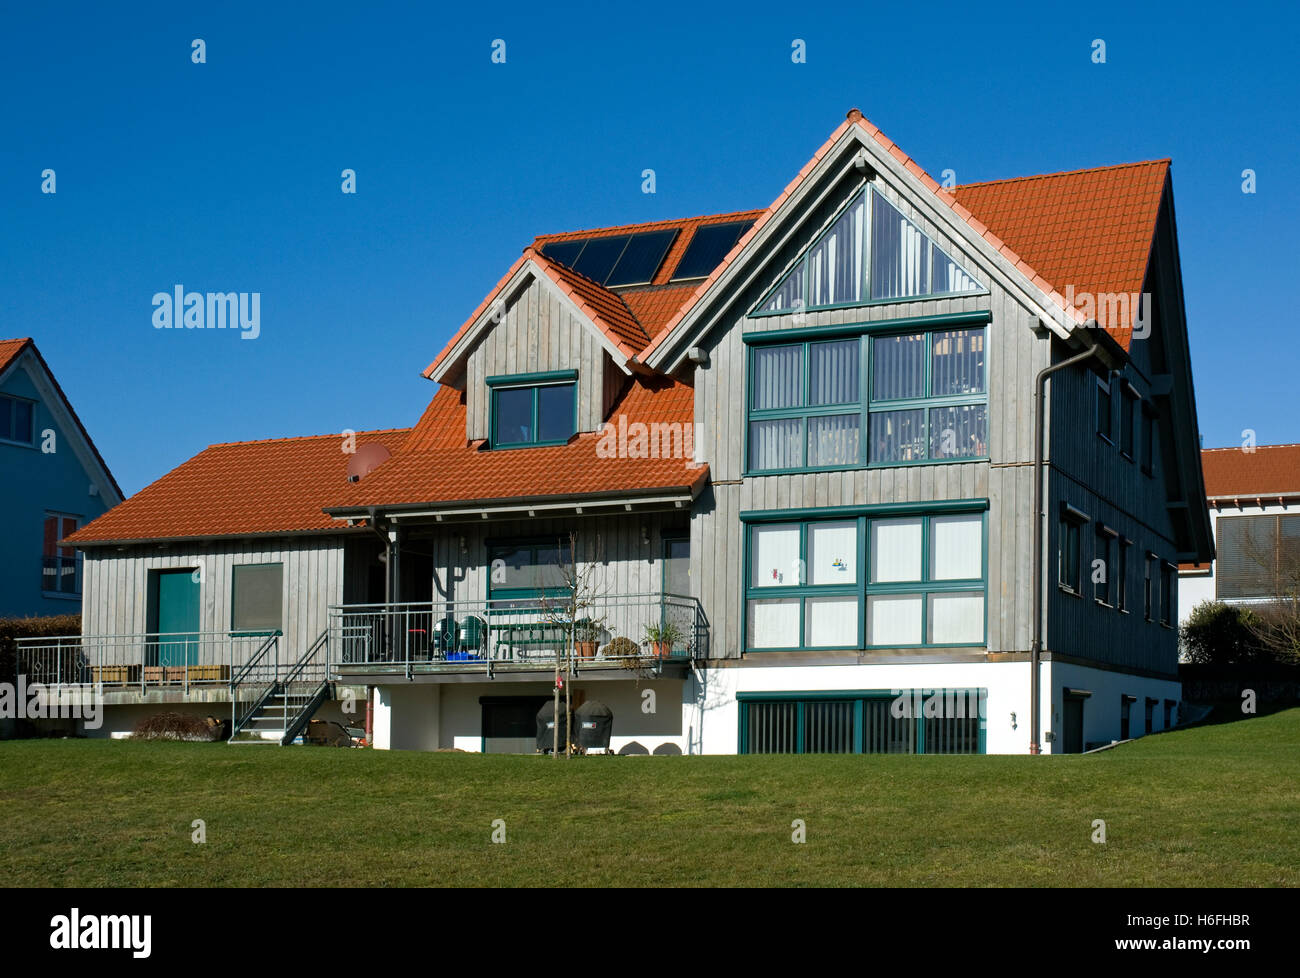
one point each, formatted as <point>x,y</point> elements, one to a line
<point>708,247</point>
<point>600,256</point>
<point>642,258</point>
<point>565,252</point>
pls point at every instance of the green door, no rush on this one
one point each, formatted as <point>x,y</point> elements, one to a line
<point>176,614</point>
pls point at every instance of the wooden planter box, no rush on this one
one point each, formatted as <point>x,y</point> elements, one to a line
<point>166,674</point>
<point>209,674</point>
<point>115,674</point>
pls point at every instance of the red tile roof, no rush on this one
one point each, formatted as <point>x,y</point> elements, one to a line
<point>1103,208</point>
<point>1090,229</point>
<point>1267,471</point>
<point>10,350</point>
<point>433,469</point>
<point>240,489</point>
<point>686,228</point>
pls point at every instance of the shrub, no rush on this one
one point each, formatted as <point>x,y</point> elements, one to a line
<point>1221,634</point>
<point>621,647</point>
<point>14,628</point>
<point>180,726</point>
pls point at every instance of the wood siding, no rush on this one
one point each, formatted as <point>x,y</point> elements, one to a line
<point>116,584</point>
<point>1015,353</point>
<point>537,332</point>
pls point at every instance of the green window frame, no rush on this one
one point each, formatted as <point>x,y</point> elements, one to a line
<point>909,721</point>
<point>923,593</point>
<point>529,390</point>
<point>944,427</point>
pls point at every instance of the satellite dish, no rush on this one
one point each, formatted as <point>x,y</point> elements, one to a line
<point>366,459</point>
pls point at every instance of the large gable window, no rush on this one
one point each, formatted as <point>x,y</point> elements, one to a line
<point>871,253</point>
<point>533,409</point>
<point>880,400</point>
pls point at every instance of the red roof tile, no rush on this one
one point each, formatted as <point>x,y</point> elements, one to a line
<point>9,350</point>
<point>1090,229</point>
<point>1268,470</point>
<point>240,489</point>
<point>431,470</point>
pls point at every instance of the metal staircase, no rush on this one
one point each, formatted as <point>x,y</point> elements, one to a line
<point>287,696</point>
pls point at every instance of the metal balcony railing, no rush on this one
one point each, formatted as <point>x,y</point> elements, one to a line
<point>623,630</point>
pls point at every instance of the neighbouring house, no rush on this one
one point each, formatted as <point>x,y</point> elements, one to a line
<point>54,482</point>
<point>1254,502</point>
<point>795,449</point>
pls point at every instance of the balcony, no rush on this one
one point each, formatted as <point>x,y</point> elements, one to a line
<point>635,632</point>
<point>141,661</point>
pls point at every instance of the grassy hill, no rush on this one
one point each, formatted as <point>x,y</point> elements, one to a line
<point>1210,806</point>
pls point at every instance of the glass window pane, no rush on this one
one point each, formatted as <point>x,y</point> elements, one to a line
<point>900,254</point>
<point>555,420</point>
<point>778,377</point>
<point>957,618</point>
<point>899,367</point>
<point>834,440</point>
<point>898,436</point>
<point>776,444</point>
<point>6,418</point>
<point>894,619</point>
<point>774,556</point>
<point>947,276</point>
<point>896,550</point>
<point>599,257</point>
<point>960,431</point>
<point>835,266</point>
<point>958,364</point>
<point>957,547</point>
<point>22,424</point>
<point>833,552</point>
<point>1103,410</point>
<point>833,372</point>
<point>789,294</point>
<point>774,623</point>
<point>831,622</point>
<point>514,416</point>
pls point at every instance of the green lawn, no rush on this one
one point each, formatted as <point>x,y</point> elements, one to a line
<point>1216,805</point>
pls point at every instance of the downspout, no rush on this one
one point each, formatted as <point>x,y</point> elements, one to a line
<point>1036,645</point>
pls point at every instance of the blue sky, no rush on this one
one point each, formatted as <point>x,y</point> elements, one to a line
<point>225,176</point>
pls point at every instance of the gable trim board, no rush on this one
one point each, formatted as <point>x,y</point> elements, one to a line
<point>531,266</point>
<point>854,145</point>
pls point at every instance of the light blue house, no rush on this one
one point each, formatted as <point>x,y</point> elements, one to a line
<point>52,481</point>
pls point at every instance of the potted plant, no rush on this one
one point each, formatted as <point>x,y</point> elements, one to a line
<point>663,637</point>
<point>586,636</point>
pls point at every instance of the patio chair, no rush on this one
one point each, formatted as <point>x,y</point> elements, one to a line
<point>472,637</point>
<point>444,637</point>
